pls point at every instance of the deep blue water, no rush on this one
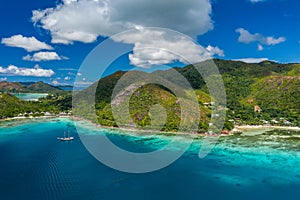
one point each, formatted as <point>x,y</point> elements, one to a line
<point>34,165</point>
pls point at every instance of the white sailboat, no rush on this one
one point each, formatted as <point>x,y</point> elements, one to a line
<point>66,138</point>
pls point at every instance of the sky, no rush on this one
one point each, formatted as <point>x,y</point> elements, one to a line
<point>46,40</point>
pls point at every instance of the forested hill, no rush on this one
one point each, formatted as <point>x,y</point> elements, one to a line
<point>266,92</point>
<point>261,93</point>
<point>27,87</point>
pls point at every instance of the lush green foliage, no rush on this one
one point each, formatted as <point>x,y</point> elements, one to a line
<point>11,106</point>
<point>273,88</point>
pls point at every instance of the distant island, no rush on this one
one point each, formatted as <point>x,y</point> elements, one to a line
<point>31,87</point>
<point>265,93</point>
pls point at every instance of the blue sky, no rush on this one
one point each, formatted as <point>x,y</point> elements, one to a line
<point>48,40</point>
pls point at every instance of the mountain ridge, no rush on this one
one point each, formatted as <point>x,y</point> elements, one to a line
<point>27,87</point>
<point>243,81</point>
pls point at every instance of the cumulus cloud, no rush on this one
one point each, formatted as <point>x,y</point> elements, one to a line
<point>3,79</point>
<point>36,71</point>
<point>27,43</point>
<point>82,83</point>
<point>260,47</point>
<point>151,47</point>
<point>85,20</point>
<point>215,51</point>
<point>252,60</point>
<point>43,56</point>
<point>246,37</point>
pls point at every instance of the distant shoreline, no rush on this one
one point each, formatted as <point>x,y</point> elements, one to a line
<point>30,117</point>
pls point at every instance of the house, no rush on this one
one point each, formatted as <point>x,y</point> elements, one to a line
<point>63,114</point>
<point>224,132</point>
<point>48,114</point>
<point>286,122</point>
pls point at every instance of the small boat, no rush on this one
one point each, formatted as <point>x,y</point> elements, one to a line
<point>66,138</point>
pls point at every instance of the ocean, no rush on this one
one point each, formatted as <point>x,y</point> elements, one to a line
<point>35,165</point>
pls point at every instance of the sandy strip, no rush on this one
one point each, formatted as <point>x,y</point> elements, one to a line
<point>39,117</point>
<point>251,127</point>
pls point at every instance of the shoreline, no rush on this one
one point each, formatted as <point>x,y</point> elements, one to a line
<point>76,118</point>
<point>236,129</point>
<point>252,127</point>
<point>30,117</point>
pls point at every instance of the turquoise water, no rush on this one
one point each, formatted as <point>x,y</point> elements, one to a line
<point>34,165</point>
<point>30,96</point>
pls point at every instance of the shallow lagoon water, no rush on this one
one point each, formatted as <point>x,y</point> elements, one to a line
<point>30,96</point>
<point>34,165</point>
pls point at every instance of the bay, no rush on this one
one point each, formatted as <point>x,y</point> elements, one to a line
<point>35,165</point>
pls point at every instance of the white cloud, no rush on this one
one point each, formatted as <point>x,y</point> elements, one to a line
<point>82,83</point>
<point>246,37</point>
<point>27,43</point>
<point>43,56</point>
<point>36,71</point>
<point>273,41</point>
<point>85,20</point>
<point>251,60</point>
<point>215,51</point>
<point>67,78</point>
<point>151,45</point>
<point>260,47</point>
<point>3,79</point>
<point>56,81</point>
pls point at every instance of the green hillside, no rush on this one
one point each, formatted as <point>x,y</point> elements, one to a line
<point>27,87</point>
<point>262,93</point>
<point>272,87</point>
<point>11,106</point>
<point>141,110</point>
